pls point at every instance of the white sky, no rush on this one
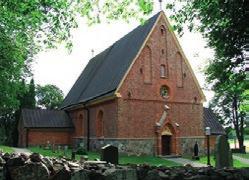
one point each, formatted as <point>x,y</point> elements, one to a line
<point>60,68</point>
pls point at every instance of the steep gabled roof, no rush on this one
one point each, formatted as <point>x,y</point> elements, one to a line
<point>105,71</point>
<point>44,118</point>
<point>210,120</point>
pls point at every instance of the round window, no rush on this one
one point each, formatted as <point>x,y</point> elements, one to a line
<point>164,91</point>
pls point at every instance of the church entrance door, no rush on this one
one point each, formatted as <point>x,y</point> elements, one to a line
<point>166,144</point>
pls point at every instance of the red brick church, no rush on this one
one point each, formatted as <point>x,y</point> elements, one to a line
<point>140,95</point>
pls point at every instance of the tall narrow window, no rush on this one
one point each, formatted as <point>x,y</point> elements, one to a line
<point>162,71</point>
<point>163,46</point>
<point>179,74</point>
<point>100,125</point>
<point>147,65</point>
<point>163,30</point>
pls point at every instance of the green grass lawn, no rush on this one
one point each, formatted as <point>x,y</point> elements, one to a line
<point>246,156</point>
<point>236,163</point>
<point>123,159</point>
<point>45,152</point>
<point>6,149</point>
<point>151,160</point>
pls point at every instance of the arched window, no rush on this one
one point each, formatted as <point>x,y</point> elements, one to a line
<point>179,73</point>
<point>147,65</point>
<point>162,71</point>
<point>100,124</point>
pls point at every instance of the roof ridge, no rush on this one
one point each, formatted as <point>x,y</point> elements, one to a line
<point>104,72</point>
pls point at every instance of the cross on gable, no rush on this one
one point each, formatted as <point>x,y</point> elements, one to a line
<point>160,3</point>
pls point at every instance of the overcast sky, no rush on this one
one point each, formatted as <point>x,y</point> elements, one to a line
<point>60,68</point>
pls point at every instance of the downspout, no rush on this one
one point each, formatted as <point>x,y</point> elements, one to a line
<point>88,128</point>
<point>27,137</point>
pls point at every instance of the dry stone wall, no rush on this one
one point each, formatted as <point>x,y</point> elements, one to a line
<point>37,167</point>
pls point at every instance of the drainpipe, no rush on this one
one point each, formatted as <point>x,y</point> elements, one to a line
<point>27,137</point>
<point>88,128</point>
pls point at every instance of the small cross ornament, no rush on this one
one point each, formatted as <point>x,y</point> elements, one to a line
<point>160,3</point>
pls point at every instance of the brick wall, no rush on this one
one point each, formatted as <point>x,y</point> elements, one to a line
<point>54,136</point>
<point>141,105</point>
<point>79,120</point>
<point>134,115</point>
<point>109,109</point>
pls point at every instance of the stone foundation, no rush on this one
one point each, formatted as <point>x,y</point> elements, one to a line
<point>186,145</point>
<point>126,146</point>
<point>141,146</point>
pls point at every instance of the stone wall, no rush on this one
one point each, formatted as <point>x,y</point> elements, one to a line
<point>126,146</point>
<point>141,146</point>
<point>187,145</point>
<point>37,167</point>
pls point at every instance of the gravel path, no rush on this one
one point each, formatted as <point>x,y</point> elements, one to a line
<point>241,159</point>
<point>22,150</point>
<point>184,161</point>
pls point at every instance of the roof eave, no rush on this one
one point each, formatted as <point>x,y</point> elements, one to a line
<point>92,101</point>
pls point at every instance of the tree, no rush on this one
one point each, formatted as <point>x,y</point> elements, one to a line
<point>9,118</point>
<point>11,63</point>
<point>29,98</point>
<point>224,25</point>
<point>49,96</point>
<point>27,27</point>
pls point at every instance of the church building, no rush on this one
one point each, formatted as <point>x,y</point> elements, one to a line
<point>140,95</point>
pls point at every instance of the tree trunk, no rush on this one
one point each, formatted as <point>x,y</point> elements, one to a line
<point>238,123</point>
<point>241,142</point>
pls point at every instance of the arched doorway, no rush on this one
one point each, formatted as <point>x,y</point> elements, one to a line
<point>166,144</point>
<point>168,140</point>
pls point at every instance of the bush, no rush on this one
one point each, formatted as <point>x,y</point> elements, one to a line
<point>81,151</point>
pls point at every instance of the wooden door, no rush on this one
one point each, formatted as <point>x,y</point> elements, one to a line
<point>166,144</point>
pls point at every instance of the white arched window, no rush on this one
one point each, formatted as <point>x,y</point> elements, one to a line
<point>162,71</point>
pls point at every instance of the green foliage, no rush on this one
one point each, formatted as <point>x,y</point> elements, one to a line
<point>245,102</point>
<point>223,23</point>
<point>223,154</point>
<point>95,11</point>
<point>49,96</point>
<point>6,149</point>
<point>81,151</point>
<point>11,64</point>
<point>30,96</point>
<point>7,119</point>
<point>27,27</point>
